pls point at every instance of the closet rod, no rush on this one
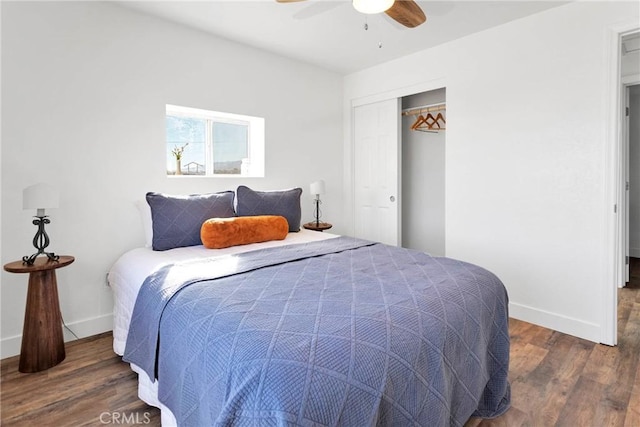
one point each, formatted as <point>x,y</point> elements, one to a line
<point>424,109</point>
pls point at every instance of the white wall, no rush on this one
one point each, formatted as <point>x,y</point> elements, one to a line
<point>84,91</point>
<point>423,173</point>
<point>525,154</point>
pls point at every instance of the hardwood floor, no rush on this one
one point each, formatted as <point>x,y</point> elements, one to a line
<point>556,380</point>
<point>89,388</point>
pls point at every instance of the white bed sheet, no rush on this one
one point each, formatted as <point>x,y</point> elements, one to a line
<point>132,268</point>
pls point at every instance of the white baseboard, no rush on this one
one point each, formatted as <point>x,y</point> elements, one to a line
<point>557,322</point>
<point>84,328</point>
<point>634,252</point>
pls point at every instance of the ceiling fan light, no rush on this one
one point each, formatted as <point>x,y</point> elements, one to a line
<point>372,6</point>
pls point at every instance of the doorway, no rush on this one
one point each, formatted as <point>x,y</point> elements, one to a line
<point>629,81</point>
<point>624,71</point>
<point>632,142</point>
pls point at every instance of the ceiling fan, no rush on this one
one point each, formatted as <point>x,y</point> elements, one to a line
<point>405,12</point>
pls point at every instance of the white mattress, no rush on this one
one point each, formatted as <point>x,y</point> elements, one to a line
<point>131,269</point>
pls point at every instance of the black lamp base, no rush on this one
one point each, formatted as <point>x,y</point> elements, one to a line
<point>317,213</point>
<point>40,242</point>
<point>29,260</point>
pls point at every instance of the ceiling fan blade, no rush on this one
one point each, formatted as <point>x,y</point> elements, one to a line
<point>407,13</point>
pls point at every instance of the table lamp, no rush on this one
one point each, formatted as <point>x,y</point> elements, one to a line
<point>40,197</point>
<point>317,188</point>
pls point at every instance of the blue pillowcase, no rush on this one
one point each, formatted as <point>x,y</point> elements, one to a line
<point>177,219</point>
<point>284,203</point>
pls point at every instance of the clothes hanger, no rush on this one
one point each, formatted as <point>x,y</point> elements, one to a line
<point>438,118</point>
<point>429,123</point>
<point>418,122</point>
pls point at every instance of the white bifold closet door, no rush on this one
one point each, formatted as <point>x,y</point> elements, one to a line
<point>376,171</point>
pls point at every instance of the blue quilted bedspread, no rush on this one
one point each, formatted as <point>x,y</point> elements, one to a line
<point>337,332</point>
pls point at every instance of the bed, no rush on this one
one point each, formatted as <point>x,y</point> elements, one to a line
<point>316,329</point>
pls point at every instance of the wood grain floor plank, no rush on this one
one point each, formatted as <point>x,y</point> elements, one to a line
<point>567,363</point>
<point>632,417</point>
<point>583,404</point>
<point>523,359</point>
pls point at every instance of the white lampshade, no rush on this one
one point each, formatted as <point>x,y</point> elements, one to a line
<point>40,196</point>
<point>372,6</point>
<point>317,187</point>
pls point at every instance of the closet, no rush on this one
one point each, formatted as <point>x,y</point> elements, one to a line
<point>399,171</point>
<point>423,135</point>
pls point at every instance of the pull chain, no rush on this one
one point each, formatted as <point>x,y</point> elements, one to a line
<point>366,28</point>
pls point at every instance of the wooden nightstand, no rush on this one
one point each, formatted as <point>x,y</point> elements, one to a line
<point>317,227</point>
<point>42,340</point>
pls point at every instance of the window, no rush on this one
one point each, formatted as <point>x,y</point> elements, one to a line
<point>211,143</point>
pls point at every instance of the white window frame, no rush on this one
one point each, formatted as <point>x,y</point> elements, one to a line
<point>253,167</point>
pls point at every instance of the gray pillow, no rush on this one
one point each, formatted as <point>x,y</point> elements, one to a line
<point>285,203</point>
<point>177,219</point>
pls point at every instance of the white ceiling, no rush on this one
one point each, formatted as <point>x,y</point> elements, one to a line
<point>331,34</point>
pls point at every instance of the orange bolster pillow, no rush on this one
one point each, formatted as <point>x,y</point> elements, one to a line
<point>217,233</point>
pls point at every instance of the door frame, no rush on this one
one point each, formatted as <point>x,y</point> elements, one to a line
<point>615,182</point>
